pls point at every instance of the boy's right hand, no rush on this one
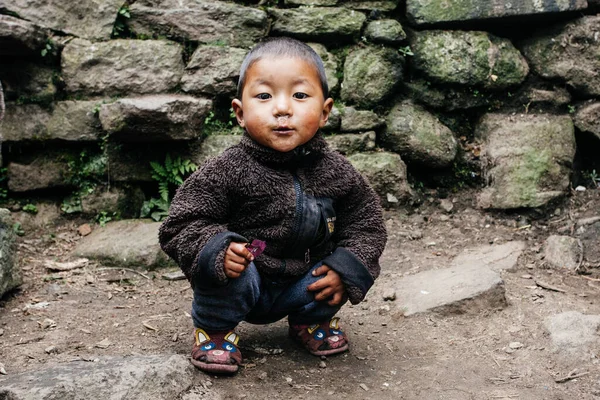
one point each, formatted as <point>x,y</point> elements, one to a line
<point>237,258</point>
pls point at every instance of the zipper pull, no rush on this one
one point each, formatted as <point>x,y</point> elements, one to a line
<point>307,256</point>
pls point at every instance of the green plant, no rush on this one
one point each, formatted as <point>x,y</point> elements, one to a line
<point>120,28</point>
<point>47,48</point>
<point>18,229</point>
<point>3,183</point>
<point>594,178</point>
<point>71,204</point>
<point>169,176</point>
<point>157,209</point>
<point>103,217</point>
<point>214,126</point>
<point>571,109</point>
<point>85,171</point>
<point>30,208</point>
<point>406,51</point>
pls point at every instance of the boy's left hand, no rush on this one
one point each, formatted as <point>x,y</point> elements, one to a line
<point>330,286</point>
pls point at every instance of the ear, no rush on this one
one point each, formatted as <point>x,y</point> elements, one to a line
<point>327,106</point>
<point>239,111</point>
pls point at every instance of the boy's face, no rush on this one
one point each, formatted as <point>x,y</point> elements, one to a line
<point>282,104</point>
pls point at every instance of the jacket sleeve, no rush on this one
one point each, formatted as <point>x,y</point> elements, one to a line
<point>360,238</point>
<point>195,233</point>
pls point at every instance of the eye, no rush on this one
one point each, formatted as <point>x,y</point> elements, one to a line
<point>263,96</point>
<point>319,334</point>
<point>208,346</point>
<point>300,95</point>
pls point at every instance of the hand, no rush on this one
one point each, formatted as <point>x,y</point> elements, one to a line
<point>330,286</point>
<point>237,258</point>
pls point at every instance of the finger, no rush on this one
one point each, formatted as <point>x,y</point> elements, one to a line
<point>337,299</point>
<point>324,294</point>
<point>240,250</point>
<point>231,274</point>
<point>231,256</point>
<point>318,285</point>
<point>322,270</point>
<point>235,267</point>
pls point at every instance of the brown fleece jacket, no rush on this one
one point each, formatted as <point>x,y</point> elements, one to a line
<point>254,192</point>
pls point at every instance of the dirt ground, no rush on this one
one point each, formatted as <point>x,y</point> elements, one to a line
<point>90,312</point>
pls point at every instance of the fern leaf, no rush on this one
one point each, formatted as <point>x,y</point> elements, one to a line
<point>163,190</point>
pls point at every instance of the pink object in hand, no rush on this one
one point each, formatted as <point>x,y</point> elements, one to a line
<point>256,247</point>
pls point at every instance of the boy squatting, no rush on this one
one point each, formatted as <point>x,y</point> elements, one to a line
<point>322,223</point>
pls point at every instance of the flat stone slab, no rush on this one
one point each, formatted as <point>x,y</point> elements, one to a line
<point>90,19</point>
<point>131,378</point>
<point>572,333</point>
<point>497,257</point>
<point>430,12</point>
<point>132,243</point>
<point>467,288</point>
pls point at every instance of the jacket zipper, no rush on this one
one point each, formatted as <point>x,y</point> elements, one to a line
<point>299,207</point>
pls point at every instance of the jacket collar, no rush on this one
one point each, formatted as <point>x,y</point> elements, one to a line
<point>301,155</point>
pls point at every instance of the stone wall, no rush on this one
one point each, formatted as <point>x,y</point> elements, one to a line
<point>95,91</point>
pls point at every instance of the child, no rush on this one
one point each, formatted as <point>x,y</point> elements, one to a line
<point>321,222</point>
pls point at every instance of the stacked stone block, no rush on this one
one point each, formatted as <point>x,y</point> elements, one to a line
<point>401,76</point>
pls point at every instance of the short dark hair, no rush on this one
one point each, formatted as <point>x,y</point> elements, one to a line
<point>282,47</point>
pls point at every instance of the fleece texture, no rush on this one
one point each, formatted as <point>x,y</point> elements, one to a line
<point>248,192</point>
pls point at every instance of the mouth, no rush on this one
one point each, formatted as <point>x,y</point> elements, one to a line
<point>283,130</point>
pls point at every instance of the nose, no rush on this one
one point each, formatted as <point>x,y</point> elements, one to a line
<point>283,107</point>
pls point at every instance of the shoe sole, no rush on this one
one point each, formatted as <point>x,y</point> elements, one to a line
<point>215,368</point>
<point>329,352</point>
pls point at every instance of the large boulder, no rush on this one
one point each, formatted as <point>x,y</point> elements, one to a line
<point>75,121</point>
<point>354,120</point>
<point>210,22</point>
<point>10,278</point>
<point>351,143</point>
<point>386,172</point>
<point>155,117</point>
<point>25,122</point>
<point>418,136</point>
<point>570,53</point>
<point>587,118</point>
<point>430,12</point>
<point>121,66</point>
<point>318,23</point>
<point>468,58</point>
<point>19,37</point>
<point>387,31</point>
<point>28,82</point>
<point>127,243</point>
<point>134,377</point>
<point>213,70</point>
<point>70,120</point>
<point>41,173</point>
<point>371,74</point>
<point>527,159</point>
<point>90,19</point>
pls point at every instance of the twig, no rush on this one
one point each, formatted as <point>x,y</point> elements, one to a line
<point>2,106</point>
<point>546,286</point>
<point>571,375</point>
<point>590,279</point>
<point>580,245</point>
<point>147,325</point>
<point>496,361</point>
<point>124,269</point>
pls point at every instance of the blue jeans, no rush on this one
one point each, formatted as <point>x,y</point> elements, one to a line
<point>259,300</point>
